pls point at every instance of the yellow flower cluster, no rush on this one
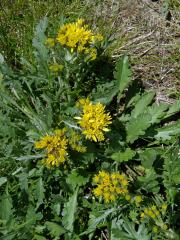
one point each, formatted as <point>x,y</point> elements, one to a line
<point>55,146</point>
<point>94,121</point>
<point>50,42</point>
<point>79,38</point>
<point>138,199</point>
<point>154,213</point>
<point>56,67</point>
<point>156,229</point>
<point>151,212</point>
<point>75,142</point>
<point>110,186</point>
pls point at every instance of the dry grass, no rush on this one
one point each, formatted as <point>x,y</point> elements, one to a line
<point>148,33</point>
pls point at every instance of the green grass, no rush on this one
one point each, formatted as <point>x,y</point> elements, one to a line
<point>140,30</point>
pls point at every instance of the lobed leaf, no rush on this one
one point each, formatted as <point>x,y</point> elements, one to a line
<point>55,229</point>
<point>69,211</point>
<point>136,127</point>
<point>142,104</point>
<point>125,156</point>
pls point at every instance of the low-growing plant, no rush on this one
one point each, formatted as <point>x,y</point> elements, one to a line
<point>86,153</point>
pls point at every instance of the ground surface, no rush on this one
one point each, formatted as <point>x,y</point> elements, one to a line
<point>146,30</point>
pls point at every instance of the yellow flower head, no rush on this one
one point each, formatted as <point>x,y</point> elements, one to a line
<point>128,197</point>
<point>56,67</point>
<point>106,187</point>
<point>155,229</point>
<point>138,199</point>
<point>153,212</point>
<point>94,121</point>
<point>164,227</point>
<point>164,206</point>
<point>76,142</point>
<point>78,37</point>
<point>55,146</point>
<point>50,42</point>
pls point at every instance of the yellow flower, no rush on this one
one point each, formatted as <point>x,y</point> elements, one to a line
<point>94,121</point>
<point>155,229</point>
<point>107,197</point>
<point>124,182</point>
<point>151,212</point>
<point>164,206</point>
<point>109,191</point>
<point>138,199</point>
<point>75,142</point>
<point>56,67</point>
<point>97,192</point>
<point>43,142</point>
<point>99,37</point>
<point>92,53</point>
<point>96,179</point>
<point>154,208</point>
<point>82,102</point>
<point>128,197</point>
<point>78,37</point>
<point>112,197</point>
<point>156,212</point>
<point>164,227</point>
<point>50,42</point>
<point>55,146</point>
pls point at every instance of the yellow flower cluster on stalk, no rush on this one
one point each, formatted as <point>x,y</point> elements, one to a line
<point>55,146</point>
<point>78,37</point>
<point>154,213</point>
<point>93,120</point>
<point>110,186</point>
<point>50,42</point>
<point>75,142</point>
<point>56,67</point>
<point>150,212</point>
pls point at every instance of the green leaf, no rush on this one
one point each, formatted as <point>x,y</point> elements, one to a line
<point>30,157</point>
<point>39,192</point>
<point>41,52</point>
<point>55,229</point>
<point>171,172</point>
<point>147,157</point>
<point>136,127</point>
<point>69,211</point>
<point>127,231</point>
<point>1,59</point>
<point>94,220</point>
<point>3,180</point>
<point>166,132</point>
<point>122,74</point>
<point>173,109</point>
<point>75,178</point>
<point>142,104</point>
<point>125,156</point>
<point>133,100</point>
<point>6,206</point>
<point>149,181</point>
<point>23,181</point>
<point>116,227</point>
<point>38,237</point>
<point>32,216</point>
<point>105,93</point>
<point>157,112</point>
